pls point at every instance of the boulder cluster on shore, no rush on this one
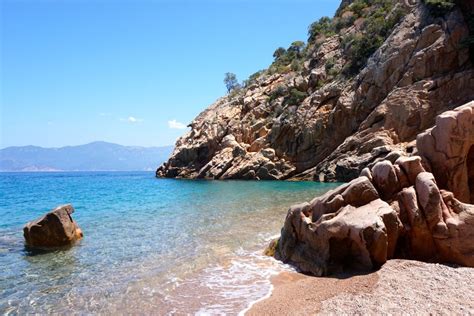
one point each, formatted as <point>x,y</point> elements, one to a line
<point>413,207</point>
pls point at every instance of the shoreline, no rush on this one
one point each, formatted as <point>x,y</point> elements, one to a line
<point>252,304</point>
<point>400,286</point>
<point>217,267</point>
<point>295,293</point>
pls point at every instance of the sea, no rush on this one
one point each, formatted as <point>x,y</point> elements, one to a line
<point>150,246</point>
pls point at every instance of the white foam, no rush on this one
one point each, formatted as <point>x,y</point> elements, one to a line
<point>249,307</point>
<point>230,287</point>
<point>247,277</point>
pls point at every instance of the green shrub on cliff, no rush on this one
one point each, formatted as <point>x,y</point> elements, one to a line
<point>379,18</point>
<point>292,97</point>
<point>378,25</point>
<point>323,27</point>
<point>278,68</point>
<point>278,92</point>
<point>287,60</point>
<point>296,47</point>
<point>296,65</point>
<point>252,78</point>
<point>361,47</point>
<point>439,8</point>
<point>329,67</point>
<point>279,52</point>
<point>358,6</point>
<point>295,97</point>
<point>330,62</point>
<point>343,22</point>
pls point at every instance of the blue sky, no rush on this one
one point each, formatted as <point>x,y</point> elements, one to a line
<point>131,72</point>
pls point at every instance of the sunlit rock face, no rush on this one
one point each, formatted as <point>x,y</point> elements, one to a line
<point>393,210</point>
<point>341,124</point>
<point>448,149</point>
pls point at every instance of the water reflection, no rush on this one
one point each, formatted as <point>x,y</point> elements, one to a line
<point>33,251</point>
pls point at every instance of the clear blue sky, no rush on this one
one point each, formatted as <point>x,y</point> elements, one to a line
<point>129,72</point>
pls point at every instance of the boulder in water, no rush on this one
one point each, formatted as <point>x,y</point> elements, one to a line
<point>54,229</point>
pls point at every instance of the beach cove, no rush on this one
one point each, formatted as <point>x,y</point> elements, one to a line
<point>156,245</point>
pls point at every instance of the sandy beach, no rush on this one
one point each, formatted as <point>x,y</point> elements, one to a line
<point>400,286</point>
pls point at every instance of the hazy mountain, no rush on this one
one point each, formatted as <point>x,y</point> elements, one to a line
<point>96,156</point>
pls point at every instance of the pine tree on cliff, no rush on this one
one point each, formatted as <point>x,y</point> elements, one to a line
<point>230,81</point>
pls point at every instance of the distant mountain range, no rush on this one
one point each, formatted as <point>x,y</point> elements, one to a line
<point>96,156</point>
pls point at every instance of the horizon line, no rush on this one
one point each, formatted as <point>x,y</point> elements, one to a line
<point>84,144</point>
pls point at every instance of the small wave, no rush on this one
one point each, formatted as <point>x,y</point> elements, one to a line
<point>229,288</point>
<point>251,304</point>
<point>267,237</point>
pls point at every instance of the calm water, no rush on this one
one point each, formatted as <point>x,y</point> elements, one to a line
<point>151,245</point>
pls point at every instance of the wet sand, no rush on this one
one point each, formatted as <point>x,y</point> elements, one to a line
<point>400,286</point>
<point>298,294</point>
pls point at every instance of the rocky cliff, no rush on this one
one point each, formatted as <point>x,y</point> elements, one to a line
<point>399,209</point>
<point>368,81</point>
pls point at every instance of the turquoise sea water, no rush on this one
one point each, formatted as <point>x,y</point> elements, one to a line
<point>151,245</point>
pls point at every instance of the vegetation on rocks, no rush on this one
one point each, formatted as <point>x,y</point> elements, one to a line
<point>280,91</point>
<point>271,248</point>
<point>230,81</point>
<point>287,60</point>
<point>252,78</point>
<point>378,24</point>
<point>295,97</point>
<point>322,111</point>
<point>323,27</point>
<point>379,17</point>
<point>439,7</point>
<point>329,67</point>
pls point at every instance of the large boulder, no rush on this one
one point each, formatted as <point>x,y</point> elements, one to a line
<point>448,151</point>
<point>350,227</point>
<point>54,229</point>
<point>393,210</point>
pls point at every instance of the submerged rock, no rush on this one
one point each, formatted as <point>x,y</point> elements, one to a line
<point>55,229</point>
<point>393,210</point>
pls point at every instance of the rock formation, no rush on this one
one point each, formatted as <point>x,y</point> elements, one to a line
<point>393,210</point>
<point>448,148</point>
<point>55,229</point>
<point>319,123</point>
<point>398,125</point>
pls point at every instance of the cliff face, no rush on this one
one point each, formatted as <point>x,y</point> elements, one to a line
<point>324,121</point>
